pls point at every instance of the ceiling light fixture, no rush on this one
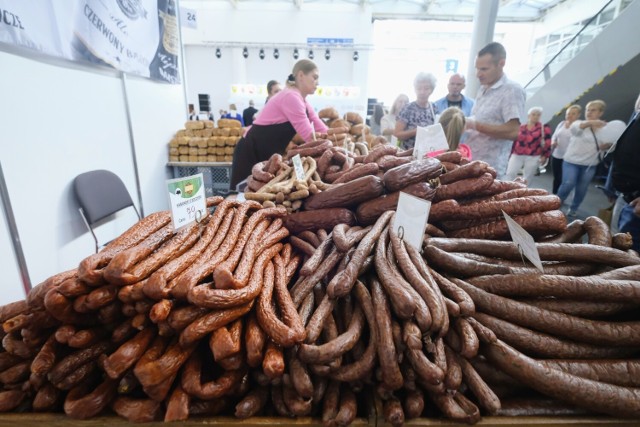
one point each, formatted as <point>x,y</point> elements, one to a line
<point>261,54</point>
<point>355,55</point>
<point>327,54</point>
<point>296,54</point>
<point>276,53</point>
<point>310,54</point>
<point>245,52</point>
<point>218,53</point>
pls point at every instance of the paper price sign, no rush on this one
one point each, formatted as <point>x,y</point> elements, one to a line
<point>297,167</point>
<point>187,199</point>
<point>526,244</point>
<point>411,219</point>
<point>428,139</point>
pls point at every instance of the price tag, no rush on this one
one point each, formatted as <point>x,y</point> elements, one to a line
<point>411,219</point>
<point>428,139</point>
<point>297,167</point>
<point>526,244</point>
<point>187,199</point>
<point>346,146</point>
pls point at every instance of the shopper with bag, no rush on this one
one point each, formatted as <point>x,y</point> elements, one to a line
<point>586,149</point>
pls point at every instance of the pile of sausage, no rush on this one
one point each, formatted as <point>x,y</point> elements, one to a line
<point>468,200</point>
<point>159,324</point>
<point>367,190</point>
<point>240,315</point>
<point>283,187</point>
<point>469,203</point>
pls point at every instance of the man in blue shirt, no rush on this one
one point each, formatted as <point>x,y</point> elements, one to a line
<point>455,98</point>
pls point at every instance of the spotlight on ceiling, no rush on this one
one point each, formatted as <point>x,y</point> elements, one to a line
<point>355,55</point>
<point>276,53</point>
<point>327,54</point>
<point>261,54</point>
<point>296,54</point>
<point>218,53</point>
<point>310,54</point>
<point>245,52</point>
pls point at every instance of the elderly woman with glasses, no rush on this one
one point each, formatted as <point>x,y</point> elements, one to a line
<point>420,112</point>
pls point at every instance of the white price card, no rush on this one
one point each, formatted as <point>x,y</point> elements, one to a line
<point>524,241</point>
<point>428,139</point>
<point>346,146</point>
<point>187,199</point>
<point>297,167</point>
<point>411,219</point>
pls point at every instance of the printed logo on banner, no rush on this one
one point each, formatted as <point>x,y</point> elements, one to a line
<point>132,8</point>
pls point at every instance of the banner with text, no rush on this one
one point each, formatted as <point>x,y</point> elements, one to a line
<point>134,36</point>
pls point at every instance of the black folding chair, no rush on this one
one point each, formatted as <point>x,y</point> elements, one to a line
<point>100,193</point>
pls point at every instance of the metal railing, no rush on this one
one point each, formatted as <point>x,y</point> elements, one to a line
<point>570,49</point>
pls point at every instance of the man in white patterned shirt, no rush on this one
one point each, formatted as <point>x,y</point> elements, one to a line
<point>495,118</point>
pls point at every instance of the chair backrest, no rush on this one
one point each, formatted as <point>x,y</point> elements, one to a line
<point>101,193</point>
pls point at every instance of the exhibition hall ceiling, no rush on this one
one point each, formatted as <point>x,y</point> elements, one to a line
<point>508,11</point>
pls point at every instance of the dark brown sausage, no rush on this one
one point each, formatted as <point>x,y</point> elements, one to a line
<point>387,356</point>
<point>536,223</point>
<point>547,251</point>
<point>318,219</point>
<point>463,188</point>
<point>593,395</point>
<point>543,345</point>
<point>346,195</point>
<point>368,212</point>
<point>591,288</point>
<point>470,170</point>
<point>588,331</point>
<point>252,403</point>
<point>136,410</point>
<point>410,173</point>
<point>598,231</point>
<point>341,284</point>
<point>393,412</point>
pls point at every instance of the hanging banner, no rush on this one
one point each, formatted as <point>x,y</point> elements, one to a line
<point>134,36</point>
<point>30,24</point>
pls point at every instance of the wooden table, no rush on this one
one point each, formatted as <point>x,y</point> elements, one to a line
<point>54,420</point>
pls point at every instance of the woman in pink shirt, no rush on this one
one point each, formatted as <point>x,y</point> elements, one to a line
<point>285,114</point>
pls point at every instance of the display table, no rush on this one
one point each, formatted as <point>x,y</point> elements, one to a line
<point>53,420</point>
<point>216,175</point>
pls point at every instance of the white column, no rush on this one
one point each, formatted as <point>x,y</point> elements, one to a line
<point>484,22</point>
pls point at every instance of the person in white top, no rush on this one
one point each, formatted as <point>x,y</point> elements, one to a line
<point>560,142</point>
<point>583,155</point>
<point>388,121</point>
